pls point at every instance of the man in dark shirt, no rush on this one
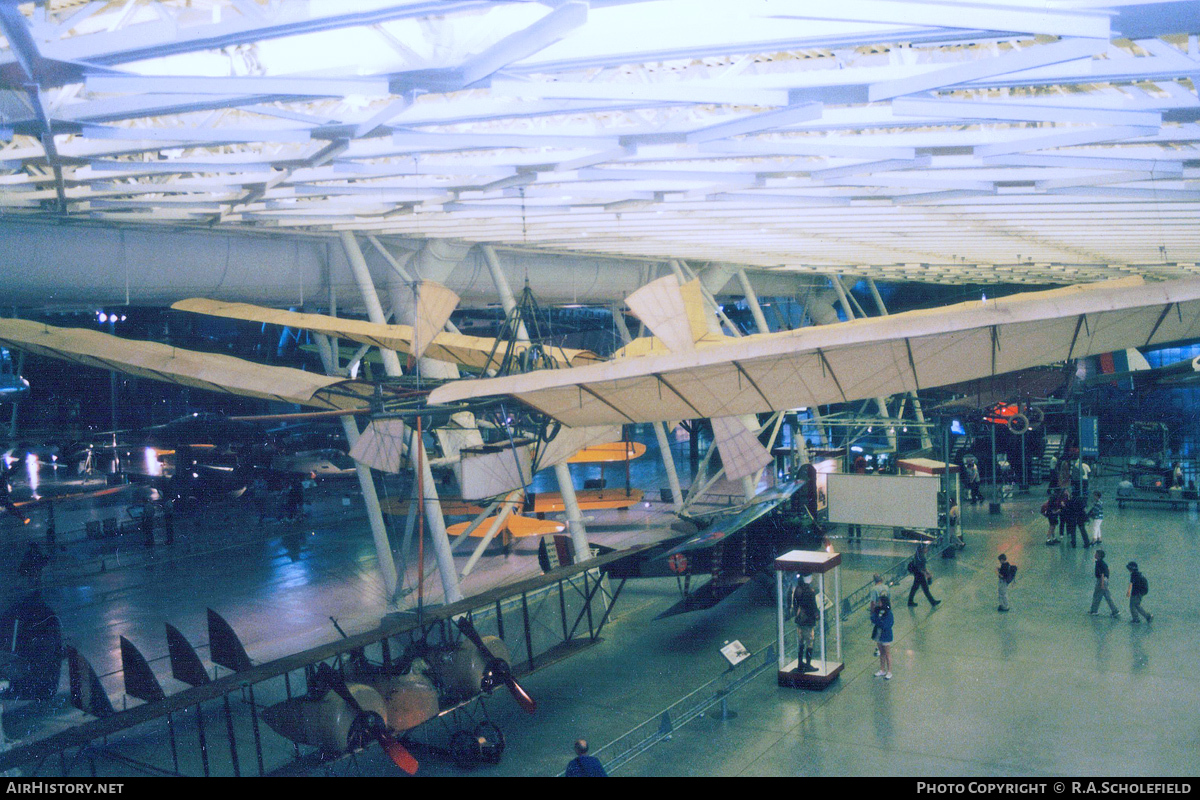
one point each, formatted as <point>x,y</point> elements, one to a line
<point>1101,590</point>
<point>1007,573</point>
<point>1075,516</point>
<point>1138,588</point>
<point>919,568</point>
<point>583,765</point>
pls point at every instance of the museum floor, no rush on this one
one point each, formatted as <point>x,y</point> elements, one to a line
<point>1043,690</point>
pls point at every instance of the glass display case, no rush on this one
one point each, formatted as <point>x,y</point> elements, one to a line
<point>817,661</point>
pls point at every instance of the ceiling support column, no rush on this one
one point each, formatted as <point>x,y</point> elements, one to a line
<point>391,365</point>
<point>12,422</point>
<point>881,402</point>
<point>383,548</point>
<point>507,301</point>
<point>749,484</point>
<point>752,301</point>
<point>926,440</point>
<point>660,428</point>
<point>562,472</point>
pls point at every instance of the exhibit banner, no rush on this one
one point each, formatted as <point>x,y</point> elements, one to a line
<point>896,501</point>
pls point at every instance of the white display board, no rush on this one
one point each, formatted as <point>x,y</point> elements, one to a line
<point>903,501</point>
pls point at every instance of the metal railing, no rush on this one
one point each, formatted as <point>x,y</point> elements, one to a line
<point>660,727</point>
<point>862,595</point>
<point>214,728</point>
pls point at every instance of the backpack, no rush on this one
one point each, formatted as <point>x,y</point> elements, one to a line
<point>1140,584</point>
<point>1010,573</point>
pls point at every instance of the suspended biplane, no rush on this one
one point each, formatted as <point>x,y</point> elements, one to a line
<point>1008,399</point>
<point>570,399</point>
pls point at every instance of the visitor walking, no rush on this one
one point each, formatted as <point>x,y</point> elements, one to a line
<point>1139,587</point>
<point>1100,592</point>
<point>583,765</point>
<point>919,568</point>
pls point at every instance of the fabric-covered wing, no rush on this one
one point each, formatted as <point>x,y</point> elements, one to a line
<point>162,362</point>
<point>859,359</point>
<point>471,352</point>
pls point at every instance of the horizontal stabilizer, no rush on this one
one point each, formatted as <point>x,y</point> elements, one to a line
<point>701,599</point>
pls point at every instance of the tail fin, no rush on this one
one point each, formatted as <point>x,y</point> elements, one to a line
<point>1117,367</point>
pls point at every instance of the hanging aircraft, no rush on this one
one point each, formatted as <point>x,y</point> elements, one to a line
<point>571,399</point>
<point>729,546</point>
<point>1129,369</point>
<point>1007,399</point>
<point>195,458</point>
<point>685,372</point>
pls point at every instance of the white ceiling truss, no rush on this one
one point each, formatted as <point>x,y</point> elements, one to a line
<point>1034,141</point>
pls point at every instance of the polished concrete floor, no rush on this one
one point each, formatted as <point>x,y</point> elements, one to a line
<point>1043,690</point>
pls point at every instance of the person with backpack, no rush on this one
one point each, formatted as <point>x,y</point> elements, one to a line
<point>1139,587</point>
<point>1007,574</point>
<point>805,614</point>
<point>1052,509</point>
<point>918,566</point>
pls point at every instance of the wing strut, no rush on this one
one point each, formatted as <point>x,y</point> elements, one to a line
<point>1166,310</point>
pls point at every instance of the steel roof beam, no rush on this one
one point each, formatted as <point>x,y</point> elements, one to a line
<point>929,13</point>
<point>160,39</point>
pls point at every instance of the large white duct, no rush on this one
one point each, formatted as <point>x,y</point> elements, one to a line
<point>818,305</point>
<point>82,266</point>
